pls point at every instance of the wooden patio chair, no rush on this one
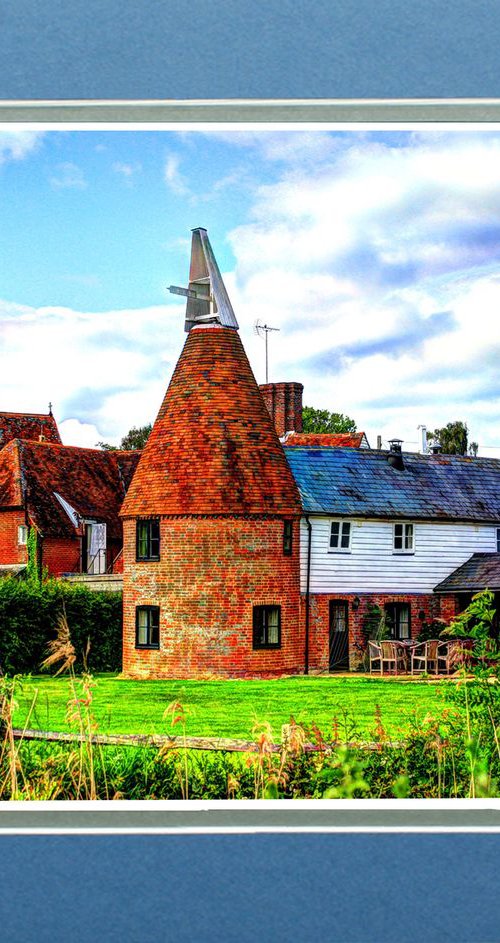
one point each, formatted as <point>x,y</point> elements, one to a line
<point>375,655</point>
<point>392,655</point>
<point>425,657</point>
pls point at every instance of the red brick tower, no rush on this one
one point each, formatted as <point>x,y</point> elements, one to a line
<point>211,542</point>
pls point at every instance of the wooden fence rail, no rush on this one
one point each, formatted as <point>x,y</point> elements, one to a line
<point>221,744</point>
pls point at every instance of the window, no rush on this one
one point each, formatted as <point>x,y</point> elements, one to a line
<point>148,540</point>
<point>287,538</point>
<point>267,626</point>
<point>147,627</point>
<point>340,536</point>
<point>498,539</point>
<point>398,619</point>
<point>403,538</point>
<point>22,534</point>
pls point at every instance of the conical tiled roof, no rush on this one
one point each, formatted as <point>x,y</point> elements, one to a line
<point>213,449</point>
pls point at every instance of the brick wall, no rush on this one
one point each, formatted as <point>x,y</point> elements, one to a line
<point>61,555</point>
<point>211,573</point>
<point>423,608</point>
<point>10,550</point>
<point>284,404</point>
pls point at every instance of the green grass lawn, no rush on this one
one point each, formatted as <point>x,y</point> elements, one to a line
<point>231,708</point>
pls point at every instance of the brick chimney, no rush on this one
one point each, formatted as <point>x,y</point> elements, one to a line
<point>284,403</point>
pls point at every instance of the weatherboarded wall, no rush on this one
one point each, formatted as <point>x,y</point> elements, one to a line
<point>211,574</point>
<point>371,566</point>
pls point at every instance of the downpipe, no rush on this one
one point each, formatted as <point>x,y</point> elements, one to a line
<point>308,583</point>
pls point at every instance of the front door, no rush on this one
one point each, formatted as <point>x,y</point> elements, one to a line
<point>338,636</point>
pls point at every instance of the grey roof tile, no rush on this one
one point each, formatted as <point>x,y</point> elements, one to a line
<point>482,571</point>
<point>362,483</point>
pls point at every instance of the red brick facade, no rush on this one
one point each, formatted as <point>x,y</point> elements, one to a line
<point>284,404</point>
<point>424,608</point>
<point>60,555</point>
<point>210,575</point>
<point>11,551</point>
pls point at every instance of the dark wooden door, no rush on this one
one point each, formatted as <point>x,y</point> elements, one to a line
<point>339,635</point>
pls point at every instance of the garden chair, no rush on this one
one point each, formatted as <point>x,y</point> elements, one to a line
<point>393,655</point>
<point>375,655</point>
<point>425,657</point>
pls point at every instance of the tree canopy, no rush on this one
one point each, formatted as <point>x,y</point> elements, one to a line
<point>321,420</point>
<point>134,439</point>
<point>453,439</point>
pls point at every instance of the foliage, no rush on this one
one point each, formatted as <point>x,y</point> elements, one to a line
<point>320,420</point>
<point>375,627</point>
<point>29,615</point>
<point>452,438</point>
<point>33,567</point>
<point>476,622</point>
<point>431,630</point>
<point>135,438</point>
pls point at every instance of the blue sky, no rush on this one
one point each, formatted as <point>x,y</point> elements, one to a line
<point>376,253</point>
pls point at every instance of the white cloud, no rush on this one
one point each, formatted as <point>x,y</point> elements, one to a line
<point>173,177</point>
<point>127,171</point>
<point>380,269</point>
<point>16,145</point>
<point>68,176</point>
<point>104,372</point>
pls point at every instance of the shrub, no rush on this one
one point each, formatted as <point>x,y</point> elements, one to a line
<point>30,612</point>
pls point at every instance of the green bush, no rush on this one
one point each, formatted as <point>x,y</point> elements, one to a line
<point>29,613</point>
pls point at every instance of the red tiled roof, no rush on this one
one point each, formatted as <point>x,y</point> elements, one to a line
<point>92,481</point>
<point>325,439</point>
<point>11,495</point>
<point>213,448</point>
<point>28,426</point>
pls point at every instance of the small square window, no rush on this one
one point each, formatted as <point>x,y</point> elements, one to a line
<point>287,538</point>
<point>147,627</point>
<point>267,626</point>
<point>22,535</point>
<point>340,535</point>
<point>148,540</point>
<point>403,538</point>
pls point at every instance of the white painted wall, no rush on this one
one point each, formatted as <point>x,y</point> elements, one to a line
<point>371,565</point>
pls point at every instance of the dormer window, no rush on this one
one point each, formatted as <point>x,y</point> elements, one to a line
<point>340,536</point>
<point>148,540</point>
<point>403,538</point>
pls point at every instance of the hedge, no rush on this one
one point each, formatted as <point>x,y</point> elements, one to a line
<point>30,611</point>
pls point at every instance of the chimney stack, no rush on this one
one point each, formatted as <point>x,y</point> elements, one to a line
<point>284,404</point>
<point>395,457</point>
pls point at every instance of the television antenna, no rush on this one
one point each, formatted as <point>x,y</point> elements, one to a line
<point>262,330</point>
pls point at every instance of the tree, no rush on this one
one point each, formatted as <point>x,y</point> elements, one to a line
<point>135,439</point>
<point>453,438</point>
<point>320,420</point>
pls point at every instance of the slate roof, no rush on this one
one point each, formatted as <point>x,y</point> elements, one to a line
<point>28,426</point>
<point>353,440</point>
<point>482,571</point>
<point>92,481</point>
<point>362,483</point>
<point>213,449</point>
